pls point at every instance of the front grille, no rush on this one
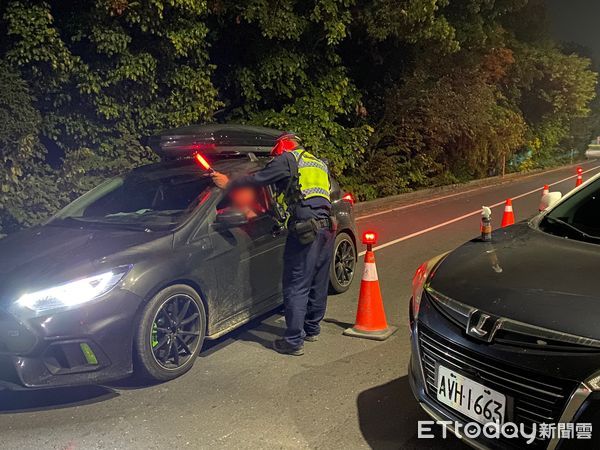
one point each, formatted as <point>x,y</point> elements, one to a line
<point>545,344</point>
<point>514,333</point>
<point>536,399</point>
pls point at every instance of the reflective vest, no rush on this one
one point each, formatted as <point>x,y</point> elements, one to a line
<point>313,175</point>
<point>313,180</point>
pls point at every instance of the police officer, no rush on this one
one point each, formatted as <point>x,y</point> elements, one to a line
<point>302,187</point>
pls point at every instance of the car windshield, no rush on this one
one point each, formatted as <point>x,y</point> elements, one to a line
<point>146,199</point>
<point>578,217</point>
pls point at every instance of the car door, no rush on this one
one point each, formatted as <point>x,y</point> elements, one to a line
<point>248,261</point>
<point>265,264</point>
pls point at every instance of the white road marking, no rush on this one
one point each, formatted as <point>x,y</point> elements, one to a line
<point>456,194</point>
<point>465,216</point>
<point>423,202</point>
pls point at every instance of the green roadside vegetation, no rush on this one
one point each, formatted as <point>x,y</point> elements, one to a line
<point>397,94</point>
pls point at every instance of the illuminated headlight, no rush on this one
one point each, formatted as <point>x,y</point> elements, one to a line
<point>73,293</point>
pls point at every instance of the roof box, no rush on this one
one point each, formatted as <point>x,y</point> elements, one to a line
<point>228,140</point>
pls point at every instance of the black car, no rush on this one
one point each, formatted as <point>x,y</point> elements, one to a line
<point>138,272</point>
<point>507,330</point>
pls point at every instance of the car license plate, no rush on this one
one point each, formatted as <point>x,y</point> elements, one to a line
<point>470,398</point>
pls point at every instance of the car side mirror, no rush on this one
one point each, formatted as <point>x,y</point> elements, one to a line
<point>550,199</point>
<point>231,218</point>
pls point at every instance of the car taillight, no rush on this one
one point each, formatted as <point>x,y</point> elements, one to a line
<point>348,197</point>
<point>423,274</point>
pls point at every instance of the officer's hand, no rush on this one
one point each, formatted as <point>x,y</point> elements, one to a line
<point>220,179</point>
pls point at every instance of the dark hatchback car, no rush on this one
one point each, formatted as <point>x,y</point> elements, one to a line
<point>138,272</point>
<point>508,330</point>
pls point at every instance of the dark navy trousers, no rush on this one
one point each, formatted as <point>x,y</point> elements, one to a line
<point>305,285</point>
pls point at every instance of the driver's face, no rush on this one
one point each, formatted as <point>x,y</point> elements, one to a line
<point>244,197</point>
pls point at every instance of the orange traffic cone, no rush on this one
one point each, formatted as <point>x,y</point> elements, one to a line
<point>579,181</point>
<point>546,190</point>
<point>371,322</point>
<point>509,216</point>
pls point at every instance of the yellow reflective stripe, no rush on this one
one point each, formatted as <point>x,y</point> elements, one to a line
<point>314,182</point>
<point>313,174</point>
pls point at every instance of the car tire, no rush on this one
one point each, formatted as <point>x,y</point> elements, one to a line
<point>343,264</point>
<point>170,334</point>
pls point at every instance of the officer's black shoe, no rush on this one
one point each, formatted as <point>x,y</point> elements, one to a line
<point>311,338</point>
<point>282,346</point>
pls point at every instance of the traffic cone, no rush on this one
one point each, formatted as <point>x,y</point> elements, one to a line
<point>509,216</point>
<point>544,192</point>
<point>579,181</point>
<point>370,316</point>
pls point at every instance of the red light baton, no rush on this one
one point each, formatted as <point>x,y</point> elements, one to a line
<point>204,163</point>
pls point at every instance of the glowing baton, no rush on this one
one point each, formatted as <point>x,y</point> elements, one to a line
<point>204,163</point>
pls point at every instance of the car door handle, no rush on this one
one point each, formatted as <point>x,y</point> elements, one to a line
<point>205,244</point>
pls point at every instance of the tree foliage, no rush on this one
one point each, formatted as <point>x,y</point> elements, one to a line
<point>396,94</point>
<point>24,196</point>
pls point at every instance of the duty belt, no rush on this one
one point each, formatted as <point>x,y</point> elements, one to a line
<point>324,223</point>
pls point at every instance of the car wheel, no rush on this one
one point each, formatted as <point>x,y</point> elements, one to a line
<point>170,334</point>
<point>343,264</point>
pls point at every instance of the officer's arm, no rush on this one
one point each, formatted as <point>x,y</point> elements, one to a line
<point>276,170</point>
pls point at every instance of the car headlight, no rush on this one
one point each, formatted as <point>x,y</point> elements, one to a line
<point>423,273</point>
<point>73,293</point>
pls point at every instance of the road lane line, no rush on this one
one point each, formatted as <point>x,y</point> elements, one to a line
<point>456,194</point>
<point>423,202</point>
<point>465,216</point>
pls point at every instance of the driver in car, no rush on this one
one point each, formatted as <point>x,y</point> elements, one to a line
<point>245,199</point>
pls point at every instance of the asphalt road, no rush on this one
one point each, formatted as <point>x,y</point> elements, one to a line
<point>343,393</point>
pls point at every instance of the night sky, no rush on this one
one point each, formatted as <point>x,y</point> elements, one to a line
<point>576,21</point>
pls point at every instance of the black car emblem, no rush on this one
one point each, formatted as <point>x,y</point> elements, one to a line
<point>482,326</point>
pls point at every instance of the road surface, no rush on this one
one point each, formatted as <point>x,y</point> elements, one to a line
<point>344,393</point>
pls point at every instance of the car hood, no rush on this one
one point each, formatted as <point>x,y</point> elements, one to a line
<point>527,275</point>
<point>47,255</point>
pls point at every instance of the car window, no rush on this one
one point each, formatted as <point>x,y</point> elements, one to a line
<point>254,201</point>
<point>578,217</point>
<point>156,199</point>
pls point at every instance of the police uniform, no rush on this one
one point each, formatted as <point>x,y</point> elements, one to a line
<point>306,266</point>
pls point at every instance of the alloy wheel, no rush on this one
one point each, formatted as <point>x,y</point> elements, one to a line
<point>345,261</point>
<point>175,332</point>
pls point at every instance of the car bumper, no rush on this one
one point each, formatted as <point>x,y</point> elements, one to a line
<point>582,406</point>
<point>434,409</point>
<point>86,345</point>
